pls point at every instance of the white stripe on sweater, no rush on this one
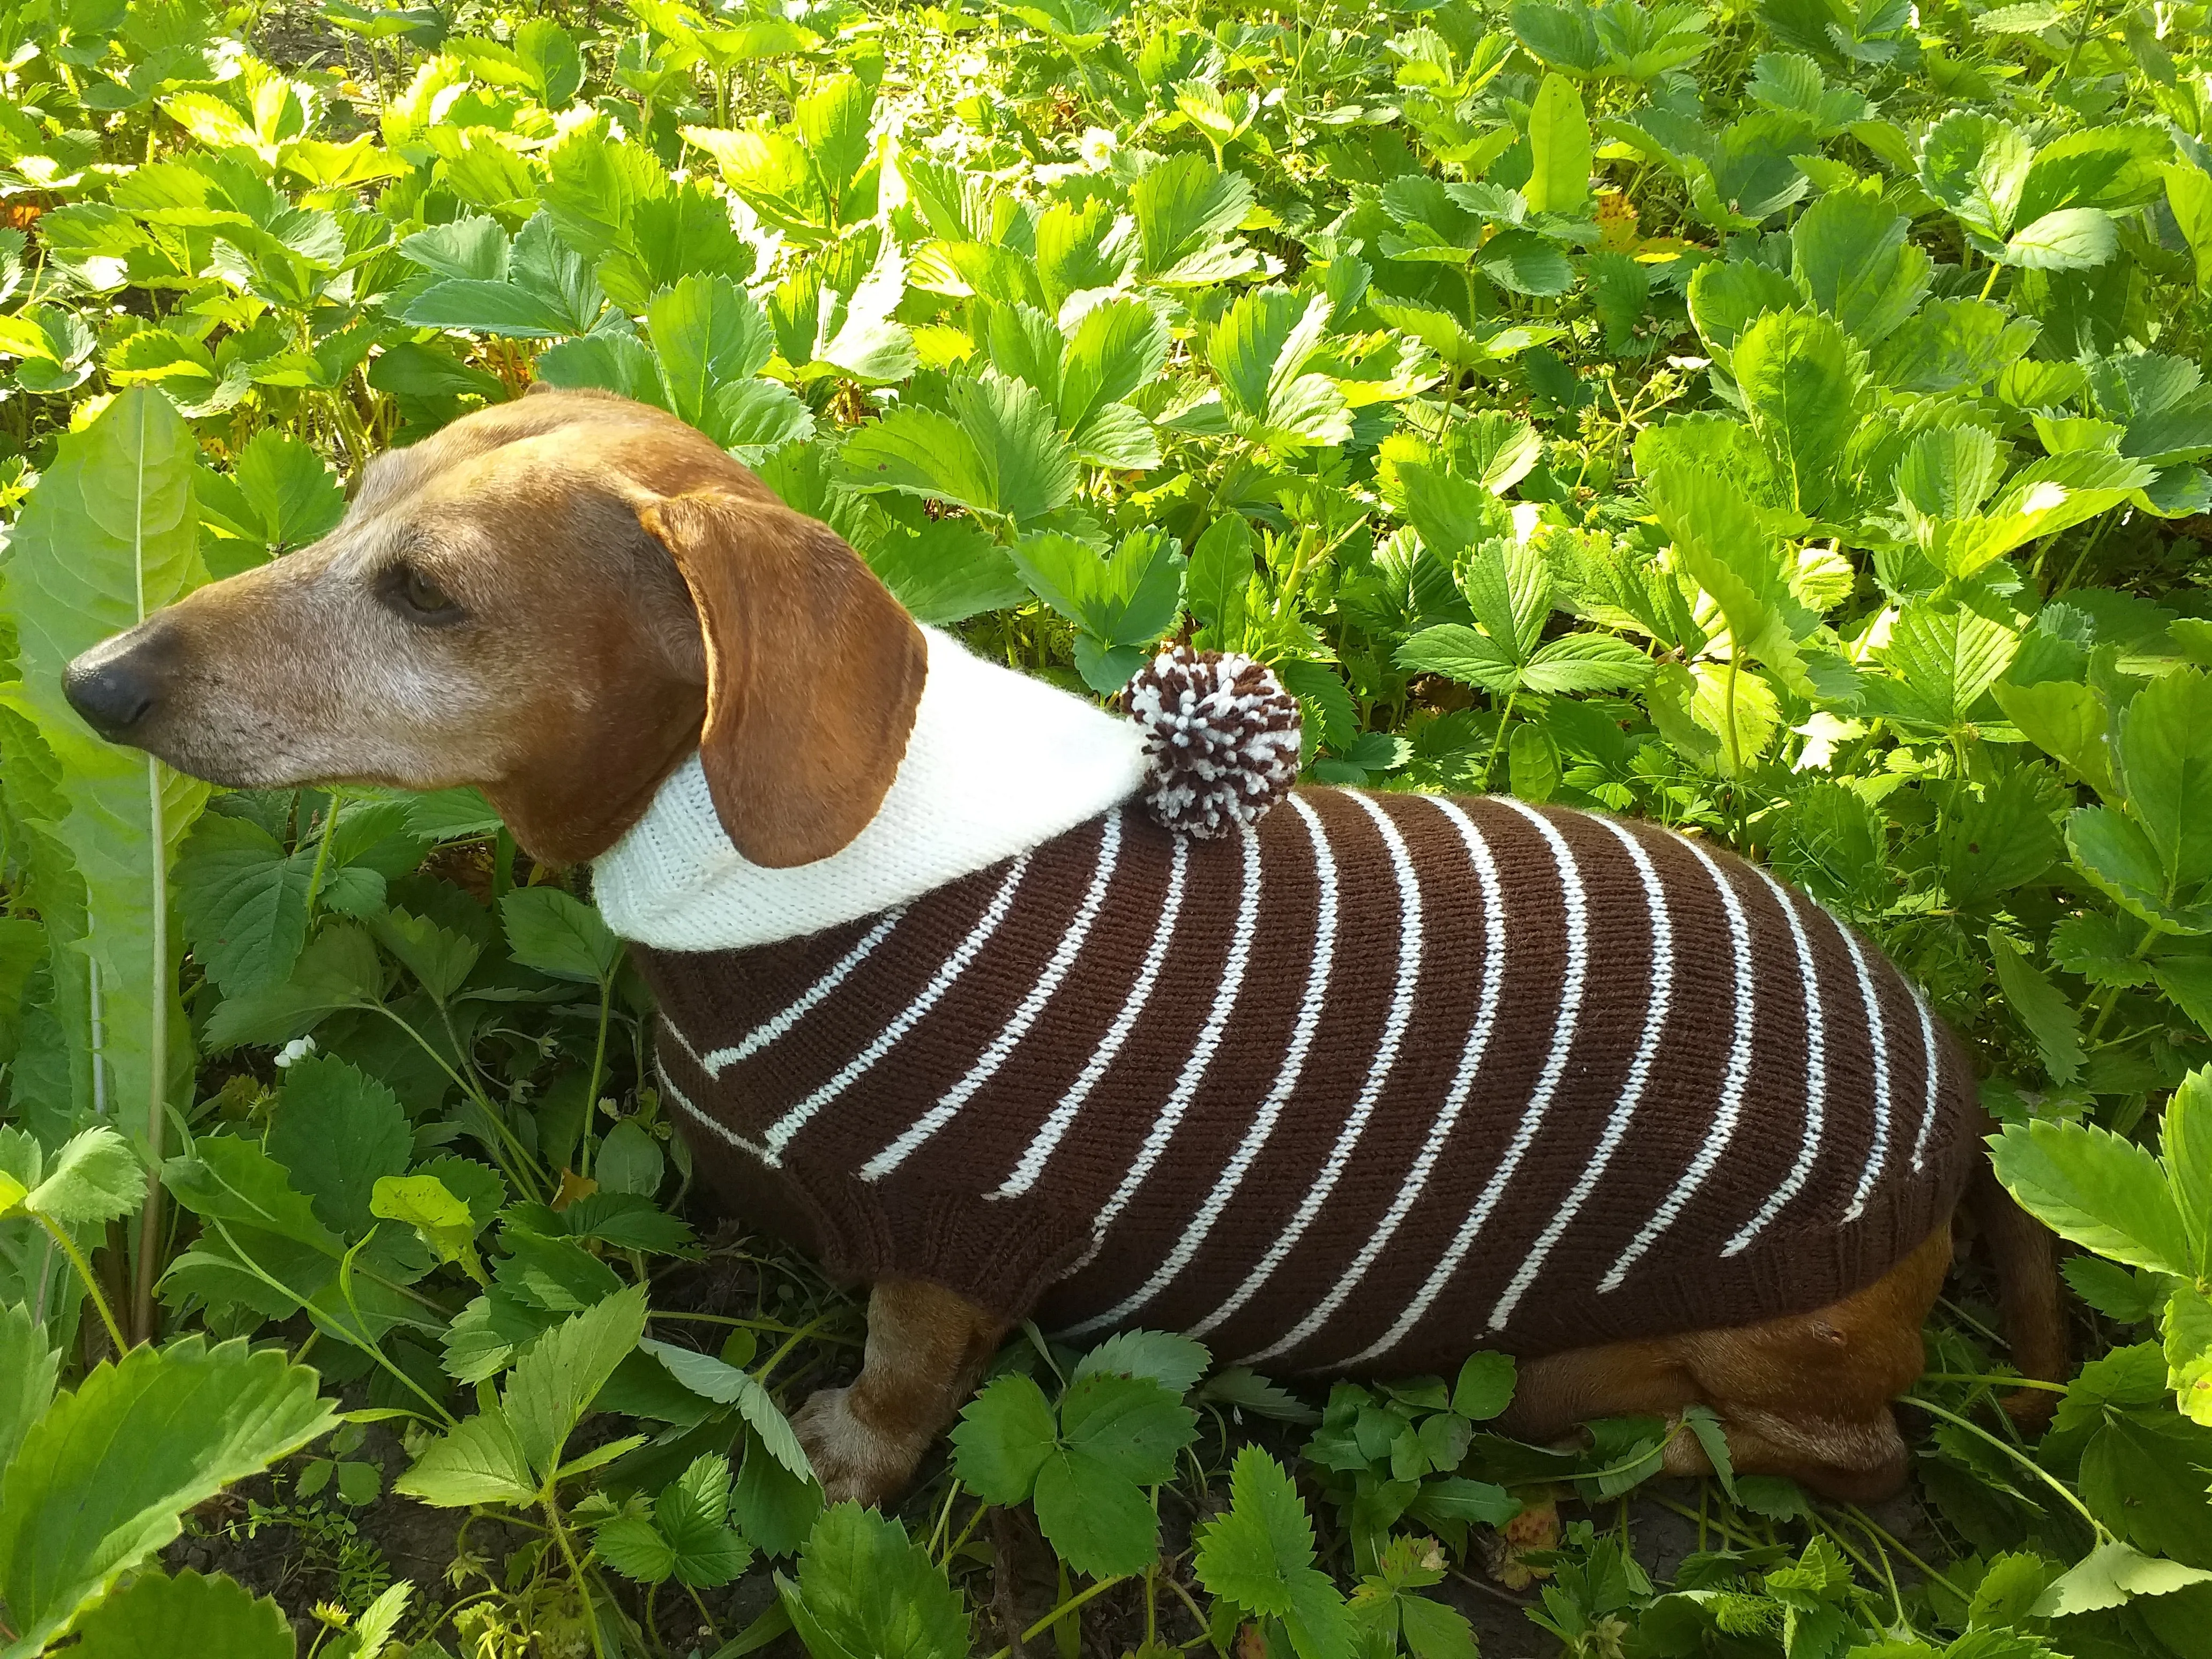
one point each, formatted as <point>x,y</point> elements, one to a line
<point>1195,1067</point>
<point>1379,1071</point>
<point>1547,1081</point>
<point>1002,1046</point>
<point>1286,1080</point>
<point>1732,1082</point>
<point>1935,1076</point>
<point>1878,1153</point>
<point>669,1088</point>
<point>1040,1149</point>
<point>761,1036</point>
<point>781,1131</point>
<point>1632,1086</point>
<point>1470,1062</point>
<point>1816,1078</point>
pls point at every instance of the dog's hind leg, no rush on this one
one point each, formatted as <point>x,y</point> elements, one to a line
<point>1810,1396</point>
<point>927,1348</point>
<point>1806,1396</point>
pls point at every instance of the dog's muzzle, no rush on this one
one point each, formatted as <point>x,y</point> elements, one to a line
<point>117,685</point>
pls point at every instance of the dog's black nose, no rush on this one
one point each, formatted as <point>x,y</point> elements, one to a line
<point>113,695</point>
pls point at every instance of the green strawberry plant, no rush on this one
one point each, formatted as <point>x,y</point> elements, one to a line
<point>1784,420</point>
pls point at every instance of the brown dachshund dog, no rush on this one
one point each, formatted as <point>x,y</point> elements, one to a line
<point>560,601</point>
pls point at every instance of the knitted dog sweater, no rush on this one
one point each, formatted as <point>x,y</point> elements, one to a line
<point>1379,1079</point>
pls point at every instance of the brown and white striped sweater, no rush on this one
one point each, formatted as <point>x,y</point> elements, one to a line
<point>1389,1077</point>
<point>1381,1080</point>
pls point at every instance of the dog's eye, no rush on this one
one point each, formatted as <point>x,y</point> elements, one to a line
<point>418,594</point>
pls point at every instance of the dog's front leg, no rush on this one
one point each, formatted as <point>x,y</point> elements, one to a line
<point>927,1348</point>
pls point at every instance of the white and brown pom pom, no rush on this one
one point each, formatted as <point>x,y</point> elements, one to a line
<point>1221,739</point>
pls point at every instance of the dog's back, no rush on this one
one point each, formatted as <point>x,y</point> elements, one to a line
<point>1391,1074</point>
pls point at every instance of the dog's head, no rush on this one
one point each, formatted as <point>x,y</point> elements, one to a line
<point>557,601</point>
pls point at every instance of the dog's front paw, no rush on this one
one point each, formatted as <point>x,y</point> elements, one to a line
<point>850,1460</point>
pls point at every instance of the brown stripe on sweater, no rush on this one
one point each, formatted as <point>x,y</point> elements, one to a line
<point>1295,1279</point>
<point>1175,1190</point>
<point>1258,1206</point>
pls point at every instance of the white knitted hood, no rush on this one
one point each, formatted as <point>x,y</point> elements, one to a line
<point>997,762</point>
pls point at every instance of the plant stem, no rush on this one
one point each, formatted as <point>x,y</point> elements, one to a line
<point>323,1320</point>
<point>1189,1606</point>
<point>1505,721</point>
<point>943,1519</point>
<point>1868,1523</point>
<point>598,1070</point>
<point>1064,1608</point>
<point>1976,1377</point>
<point>60,1236</point>
<point>764,1372</point>
<point>576,1568</point>
<point>330,800</point>
<point>773,1326</point>
<point>2017,1457</point>
<point>524,1174</point>
<point>1734,741</point>
<point>157,1066</point>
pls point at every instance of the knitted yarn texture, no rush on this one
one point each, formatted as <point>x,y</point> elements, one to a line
<point>997,762</point>
<point>1374,1080</point>
<point>1221,739</point>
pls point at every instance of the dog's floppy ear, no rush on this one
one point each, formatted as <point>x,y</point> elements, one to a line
<point>813,670</point>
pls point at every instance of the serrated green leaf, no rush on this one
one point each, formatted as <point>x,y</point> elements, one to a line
<point>558,933</point>
<point>708,334</point>
<point>2111,1574</point>
<point>1260,351</point>
<point>1850,253</point>
<point>28,1363</point>
<point>1721,544</point>
<point>1176,1363</point>
<point>439,960</point>
<point>1130,1426</point>
<point>1000,452</point>
<point>95,1177</point>
<point>634,1547</point>
<point>864,1591</point>
<point>424,1202</point>
<point>338,1132</point>
<point>557,1376</point>
<point>726,1385</point>
<point>2072,239</point>
<point>692,1513</point>
<point>2165,759</point>
<point>1586,662</point>
<point>158,1617</point>
<point>292,488</point>
<point>2089,1185</point>
<point>2187,1329</point>
<point>1259,1555</point>
<point>1944,661</point>
<point>1800,382</point>
<point>1977,166</point>
<point>102,1480</point>
<point>1096,1519</point>
<point>1182,206</point>
<point>482,1461</point>
<point>2044,1012</point>
<point>1003,1438</point>
<point>225,1178</point>
<point>244,902</point>
<point>552,68</point>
